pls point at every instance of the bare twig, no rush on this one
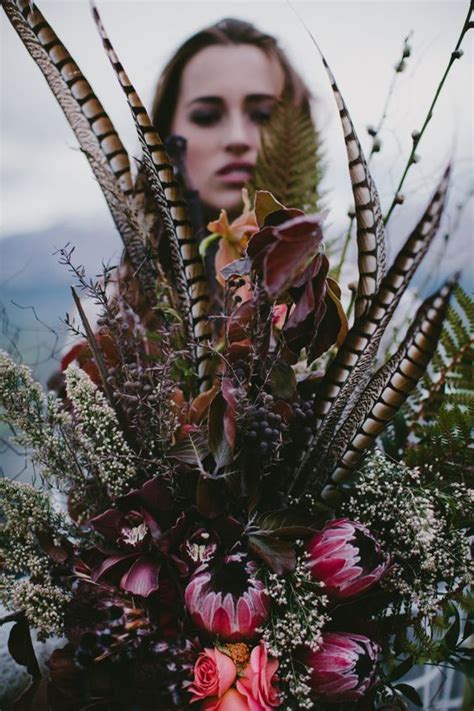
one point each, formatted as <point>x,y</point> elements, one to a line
<point>417,135</point>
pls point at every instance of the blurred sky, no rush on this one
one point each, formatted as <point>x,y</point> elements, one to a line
<point>46,181</point>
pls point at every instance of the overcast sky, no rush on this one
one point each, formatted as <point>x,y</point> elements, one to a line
<point>45,181</point>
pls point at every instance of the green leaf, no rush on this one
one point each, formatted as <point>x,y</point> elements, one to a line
<point>289,161</point>
<point>411,694</point>
<point>206,243</point>
<point>282,381</point>
<point>402,669</point>
<point>218,442</point>
<point>452,635</point>
<point>290,523</point>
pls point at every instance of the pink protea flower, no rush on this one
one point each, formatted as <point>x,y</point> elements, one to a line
<point>228,600</point>
<point>343,668</point>
<point>346,558</point>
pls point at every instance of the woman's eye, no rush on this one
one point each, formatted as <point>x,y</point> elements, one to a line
<point>205,118</point>
<point>261,116</point>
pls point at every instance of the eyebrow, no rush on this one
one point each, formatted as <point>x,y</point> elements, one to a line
<point>215,100</point>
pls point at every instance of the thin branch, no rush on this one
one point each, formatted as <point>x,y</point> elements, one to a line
<point>417,135</point>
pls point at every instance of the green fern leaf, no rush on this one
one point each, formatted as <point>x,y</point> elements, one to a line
<point>439,413</point>
<point>289,161</point>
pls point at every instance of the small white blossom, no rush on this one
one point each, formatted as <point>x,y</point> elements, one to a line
<point>99,433</point>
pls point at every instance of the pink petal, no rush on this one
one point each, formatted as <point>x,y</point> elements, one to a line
<point>244,616</point>
<point>222,623</point>
<point>112,564</point>
<point>227,671</point>
<point>142,578</point>
<point>231,701</point>
<point>325,569</point>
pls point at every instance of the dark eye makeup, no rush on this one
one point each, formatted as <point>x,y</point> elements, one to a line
<point>261,115</point>
<point>205,117</point>
<point>210,117</point>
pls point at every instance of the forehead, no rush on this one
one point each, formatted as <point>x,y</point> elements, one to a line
<point>231,71</point>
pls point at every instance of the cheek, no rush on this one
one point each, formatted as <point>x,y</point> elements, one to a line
<point>199,159</point>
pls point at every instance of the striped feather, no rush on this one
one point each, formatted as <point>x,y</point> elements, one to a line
<point>370,225</point>
<point>351,369</point>
<point>190,280</point>
<point>389,388</point>
<point>94,130</point>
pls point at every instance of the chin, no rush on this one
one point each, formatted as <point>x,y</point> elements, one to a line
<point>230,200</point>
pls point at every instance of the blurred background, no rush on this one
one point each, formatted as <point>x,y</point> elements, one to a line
<point>49,196</point>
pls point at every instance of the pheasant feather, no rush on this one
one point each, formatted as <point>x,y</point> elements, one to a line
<point>93,129</point>
<point>350,369</point>
<point>391,385</point>
<point>190,280</point>
<point>370,226</point>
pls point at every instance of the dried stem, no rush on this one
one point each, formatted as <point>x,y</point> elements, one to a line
<point>456,54</point>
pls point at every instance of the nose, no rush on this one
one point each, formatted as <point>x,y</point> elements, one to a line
<point>239,136</point>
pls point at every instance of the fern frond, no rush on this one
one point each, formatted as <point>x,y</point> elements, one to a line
<point>439,413</point>
<point>289,161</point>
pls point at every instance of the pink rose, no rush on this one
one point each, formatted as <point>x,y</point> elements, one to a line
<point>256,682</point>
<point>214,673</point>
<point>231,701</point>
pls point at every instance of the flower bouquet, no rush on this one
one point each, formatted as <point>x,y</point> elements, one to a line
<point>214,531</point>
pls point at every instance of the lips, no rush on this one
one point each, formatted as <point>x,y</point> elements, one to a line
<point>238,173</point>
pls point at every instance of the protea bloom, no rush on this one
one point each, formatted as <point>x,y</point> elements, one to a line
<point>346,558</point>
<point>228,600</point>
<point>344,666</point>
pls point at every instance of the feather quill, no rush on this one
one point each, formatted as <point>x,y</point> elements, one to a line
<point>389,388</point>
<point>190,281</point>
<point>351,369</point>
<point>94,131</point>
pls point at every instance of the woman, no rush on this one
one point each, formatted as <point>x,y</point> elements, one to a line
<point>217,91</point>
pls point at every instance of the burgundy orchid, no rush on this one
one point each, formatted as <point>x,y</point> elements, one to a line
<point>133,528</point>
<point>227,600</point>
<point>344,666</point>
<point>287,255</point>
<point>346,558</point>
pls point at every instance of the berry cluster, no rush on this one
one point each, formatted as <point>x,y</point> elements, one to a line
<point>302,426</point>
<point>265,430</point>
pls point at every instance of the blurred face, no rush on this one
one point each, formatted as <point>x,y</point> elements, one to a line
<point>226,94</point>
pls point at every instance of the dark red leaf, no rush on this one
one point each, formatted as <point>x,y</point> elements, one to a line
<point>219,445</point>
<point>229,393</point>
<point>59,553</point>
<point>278,555</point>
<point>209,496</point>
<point>21,648</point>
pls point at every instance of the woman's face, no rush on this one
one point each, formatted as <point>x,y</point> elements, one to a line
<point>226,94</point>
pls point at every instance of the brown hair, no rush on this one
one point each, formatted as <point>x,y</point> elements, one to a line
<point>226,32</point>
